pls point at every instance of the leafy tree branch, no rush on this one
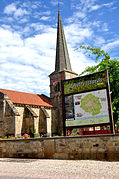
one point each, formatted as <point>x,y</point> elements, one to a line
<point>104,62</point>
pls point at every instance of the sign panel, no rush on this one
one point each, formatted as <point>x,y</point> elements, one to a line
<point>85,83</point>
<point>88,108</point>
<point>86,100</point>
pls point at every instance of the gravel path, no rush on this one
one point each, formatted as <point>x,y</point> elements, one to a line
<point>57,169</point>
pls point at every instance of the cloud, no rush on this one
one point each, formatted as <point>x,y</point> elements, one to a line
<point>90,5</point>
<point>12,9</point>
<point>79,60</point>
<point>20,12</point>
<point>6,27</point>
<point>9,38</point>
<point>55,2</point>
<point>44,18</point>
<point>25,12</point>
<point>109,4</point>
<point>31,4</point>
<point>97,6</point>
<point>99,41</point>
<point>23,62</point>
<point>75,34</point>
<point>45,13</point>
<point>109,46</point>
<point>83,5</point>
<point>82,28</point>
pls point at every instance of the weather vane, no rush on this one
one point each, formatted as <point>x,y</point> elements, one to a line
<point>58,5</point>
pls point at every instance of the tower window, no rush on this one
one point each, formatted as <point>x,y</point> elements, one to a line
<point>57,87</point>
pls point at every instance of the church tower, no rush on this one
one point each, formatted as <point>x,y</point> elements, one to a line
<point>62,71</point>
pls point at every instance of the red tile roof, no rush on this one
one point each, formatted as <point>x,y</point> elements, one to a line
<point>27,98</point>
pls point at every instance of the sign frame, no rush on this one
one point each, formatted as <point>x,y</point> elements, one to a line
<point>105,86</point>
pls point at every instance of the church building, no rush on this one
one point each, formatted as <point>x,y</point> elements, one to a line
<point>29,113</point>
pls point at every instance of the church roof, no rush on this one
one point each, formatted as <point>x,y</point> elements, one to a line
<point>62,57</point>
<point>27,98</point>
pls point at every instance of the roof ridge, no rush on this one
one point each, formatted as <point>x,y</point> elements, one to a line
<point>18,91</point>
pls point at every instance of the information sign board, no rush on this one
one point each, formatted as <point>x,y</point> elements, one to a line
<point>86,100</point>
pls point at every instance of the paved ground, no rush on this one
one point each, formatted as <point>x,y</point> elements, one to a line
<point>57,169</point>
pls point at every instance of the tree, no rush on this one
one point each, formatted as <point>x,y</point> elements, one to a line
<point>112,65</point>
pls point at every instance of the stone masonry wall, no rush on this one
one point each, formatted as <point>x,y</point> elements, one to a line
<point>69,75</point>
<point>101,147</point>
<point>19,120</point>
<point>1,116</point>
<point>55,122</point>
<point>39,121</point>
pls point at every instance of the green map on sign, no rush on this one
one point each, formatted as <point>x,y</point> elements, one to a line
<point>91,104</point>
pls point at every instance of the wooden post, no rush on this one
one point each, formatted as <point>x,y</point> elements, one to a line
<point>94,130</point>
<point>63,108</point>
<point>109,103</point>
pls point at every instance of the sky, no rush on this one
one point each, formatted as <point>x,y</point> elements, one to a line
<point>28,30</point>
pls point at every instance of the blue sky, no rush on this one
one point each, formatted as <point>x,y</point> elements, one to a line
<point>28,38</point>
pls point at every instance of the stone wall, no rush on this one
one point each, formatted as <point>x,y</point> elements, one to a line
<point>70,74</point>
<point>2,111</point>
<point>55,122</point>
<point>7,117</point>
<point>19,120</point>
<point>101,147</point>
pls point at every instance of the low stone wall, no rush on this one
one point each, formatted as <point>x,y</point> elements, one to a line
<point>101,147</point>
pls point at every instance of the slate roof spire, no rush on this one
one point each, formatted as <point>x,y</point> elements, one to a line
<point>62,61</point>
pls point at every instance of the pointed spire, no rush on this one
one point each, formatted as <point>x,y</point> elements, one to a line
<point>62,56</point>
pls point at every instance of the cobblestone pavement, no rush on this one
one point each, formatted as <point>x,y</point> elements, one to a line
<point>57,169</point>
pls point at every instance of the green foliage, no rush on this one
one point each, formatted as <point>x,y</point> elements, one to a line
<point>112,65</point>
<point>25,136</point>
<point>31,133</point>
<point>36,135</point>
